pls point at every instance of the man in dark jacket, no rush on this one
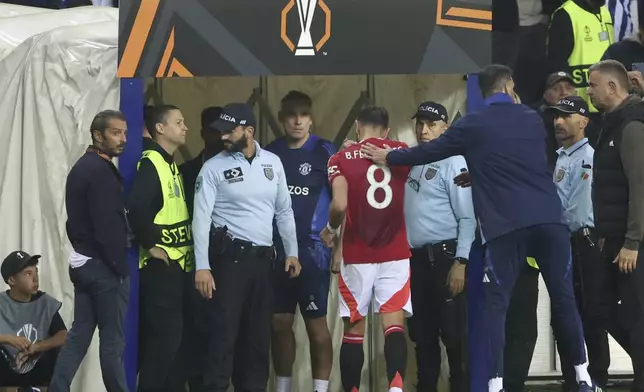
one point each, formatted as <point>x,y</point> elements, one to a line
<point>618,204</point>
<point>213,145</point>
<point>518,207</point>
<point>97,230</point>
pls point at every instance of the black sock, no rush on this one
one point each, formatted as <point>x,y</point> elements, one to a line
<point>395,355</point>
<point>351,360</point>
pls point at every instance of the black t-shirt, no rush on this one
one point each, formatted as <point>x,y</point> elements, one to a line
<point>57,323</point>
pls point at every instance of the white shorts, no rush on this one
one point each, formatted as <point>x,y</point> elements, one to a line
<point>388,282</point>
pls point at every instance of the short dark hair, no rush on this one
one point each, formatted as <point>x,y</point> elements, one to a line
<point>158,115</point>
<point>614,68</point>
<point>209,115</point>
<point>374,115</point>
<point>295,97</point>
<point>492,78</point>
<point>147,109</point>
<point>101,121</point>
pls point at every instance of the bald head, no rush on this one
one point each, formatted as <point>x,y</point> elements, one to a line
<point>608,84</point>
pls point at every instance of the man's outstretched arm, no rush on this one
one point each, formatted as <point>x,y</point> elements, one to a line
<point>450,143</point>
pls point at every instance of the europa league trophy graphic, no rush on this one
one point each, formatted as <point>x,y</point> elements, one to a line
<point>305,10</point>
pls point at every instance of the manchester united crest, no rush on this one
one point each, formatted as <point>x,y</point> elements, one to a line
<point>559,175</point>
<point>268,172</point>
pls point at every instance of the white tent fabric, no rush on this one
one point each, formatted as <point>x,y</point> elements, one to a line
<point>15,30</point>
<point>52,85</point>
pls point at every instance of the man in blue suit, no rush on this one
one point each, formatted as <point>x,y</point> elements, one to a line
<point>519,211</point>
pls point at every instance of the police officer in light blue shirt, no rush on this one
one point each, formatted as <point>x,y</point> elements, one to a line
<point>573,178</point>
<point>237,194</point>
<point>441,228</point>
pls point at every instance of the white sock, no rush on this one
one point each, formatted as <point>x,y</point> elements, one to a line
<point>282,384</point>
<point>320,385</point>
<point>582,374</point>
<point>495,384</point>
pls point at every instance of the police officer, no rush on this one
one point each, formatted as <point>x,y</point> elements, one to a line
<point>441,228</point>
<point>161,224</point>
<point>573,178</point>
<point>237,195</point>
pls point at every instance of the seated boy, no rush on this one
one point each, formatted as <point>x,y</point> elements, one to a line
<point>31,329</point>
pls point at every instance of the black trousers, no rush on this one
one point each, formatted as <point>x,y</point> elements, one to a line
<point>239,319</point>
<point>39,376</point>
<point>587,271</point>
<point>623,308</point>
<point>166,302</point>
<point>437,316</point>
<point>521,330</point>
<point>100,300</point>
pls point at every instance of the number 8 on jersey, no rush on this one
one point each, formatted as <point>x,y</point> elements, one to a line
<point>375,223</point>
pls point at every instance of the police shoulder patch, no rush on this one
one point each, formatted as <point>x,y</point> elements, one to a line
<point>198,184</point>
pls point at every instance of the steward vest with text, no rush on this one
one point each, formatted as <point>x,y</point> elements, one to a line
<point>173,219</point>
<point>593,34</point>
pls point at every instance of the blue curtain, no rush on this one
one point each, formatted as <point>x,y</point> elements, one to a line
<point>478,342</point>
<point>132,92</point>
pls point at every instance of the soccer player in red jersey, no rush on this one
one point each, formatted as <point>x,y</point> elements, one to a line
<point>375,250</point>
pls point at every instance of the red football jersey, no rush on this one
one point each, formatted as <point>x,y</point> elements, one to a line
<point>375,221</point>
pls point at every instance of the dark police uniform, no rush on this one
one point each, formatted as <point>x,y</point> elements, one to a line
<point>236,200</point>
<point>306,173</point>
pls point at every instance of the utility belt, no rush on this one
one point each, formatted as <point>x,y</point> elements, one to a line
<point>223,244</point>
<point>433,252</point>
<point>585,235</point>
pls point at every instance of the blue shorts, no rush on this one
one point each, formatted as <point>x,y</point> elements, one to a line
<point>311,289</point>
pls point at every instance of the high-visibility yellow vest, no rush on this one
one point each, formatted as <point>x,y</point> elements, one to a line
<point>173,218</point>
<point>533,263</point>
<point>592,34</point>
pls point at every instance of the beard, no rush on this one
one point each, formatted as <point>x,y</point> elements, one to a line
<point>236,146</point>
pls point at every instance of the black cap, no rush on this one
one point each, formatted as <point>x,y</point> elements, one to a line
<point>16,262</point>
<point>234,115</point>
<point>558,77</point>
<point>431,111</point>
<point>210,115</point>
<point>571,105</point>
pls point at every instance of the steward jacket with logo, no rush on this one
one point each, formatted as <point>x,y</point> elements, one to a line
<point>578,36</point>
<point>158,211</point>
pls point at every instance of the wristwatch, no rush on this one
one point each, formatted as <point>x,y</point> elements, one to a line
<point>461,260</point>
